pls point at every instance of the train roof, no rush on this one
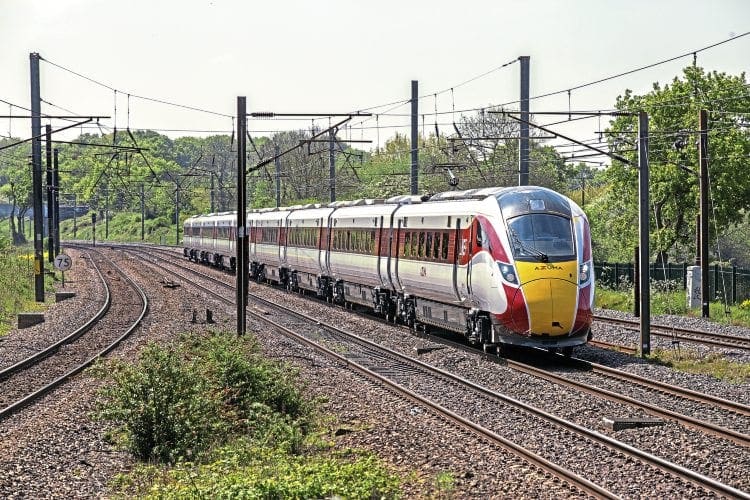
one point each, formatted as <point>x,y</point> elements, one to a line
<point>513,201</point>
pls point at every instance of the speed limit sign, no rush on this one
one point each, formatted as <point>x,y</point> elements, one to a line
<point>63,262</point>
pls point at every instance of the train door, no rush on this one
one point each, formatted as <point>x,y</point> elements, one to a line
<point>325,245</point>
<point>321,231</point>
<point>385,246</point>
<point>463,259</point>
<point>391,231</point>
<point>393,244</point>
<point>459,284</point>
<point>283,230</point>
<point>382,237</point>
<point>251,230</point>
<point>474,231</point>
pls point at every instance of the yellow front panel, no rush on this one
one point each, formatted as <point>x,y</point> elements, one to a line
<point>551,293</point>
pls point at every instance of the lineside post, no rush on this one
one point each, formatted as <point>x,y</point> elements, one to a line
<point>277,164</point>
<point>75,216</point>
<point>643,229</point>
<point>36,160</point>
<point>242,247</point>
<point>332,165</point>
<point>106,210</point>
<point>56,200</point>
<point>177,214</point>
<point>50,202</point>
<point>414,136</point>
<point>704,221</point>
<point>637,284</point>
<point>523,150</point>
<point>143,214</point>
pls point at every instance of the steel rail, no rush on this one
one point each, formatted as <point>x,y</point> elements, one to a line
<point>704,426</point>
<point>21,403</point>
<point>707,427</point>
<point>25,363</point>
<point>527,455</point>
<point>688,335</point>
<point>700,397</point>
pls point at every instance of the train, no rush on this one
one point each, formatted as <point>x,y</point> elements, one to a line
<point>500,266</point>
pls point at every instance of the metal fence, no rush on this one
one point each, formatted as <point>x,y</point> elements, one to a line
<point>732,282</point>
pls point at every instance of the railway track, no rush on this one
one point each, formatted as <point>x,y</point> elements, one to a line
<point>674,402</point>
<point>124,307</point>
<point>409,376</point>
<point>683,334</point>
<point>668,395</point>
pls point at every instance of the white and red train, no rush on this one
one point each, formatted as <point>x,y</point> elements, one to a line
<point>498,265</point>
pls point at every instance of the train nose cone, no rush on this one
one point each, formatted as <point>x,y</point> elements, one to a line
<point>551,305</point>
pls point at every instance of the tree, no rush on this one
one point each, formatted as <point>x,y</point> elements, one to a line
<point>481,151</point>
<point>15,185</point>
<point>673,158</point>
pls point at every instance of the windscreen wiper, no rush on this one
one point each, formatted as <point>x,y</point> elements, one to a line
<point>528,249</point>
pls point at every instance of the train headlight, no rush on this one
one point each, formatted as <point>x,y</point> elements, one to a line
<point>584,273</point>
<point>508,273</point>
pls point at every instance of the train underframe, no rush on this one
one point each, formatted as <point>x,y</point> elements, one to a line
<point>215,259</point>
<point>418,313</point>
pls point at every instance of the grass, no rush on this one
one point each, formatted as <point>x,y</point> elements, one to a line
<point>714,364</point>
<point>17,284</point>
<point>672,302</point>
<point>123,226</point>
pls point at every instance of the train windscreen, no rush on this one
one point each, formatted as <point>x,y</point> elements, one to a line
<point>541,237</point>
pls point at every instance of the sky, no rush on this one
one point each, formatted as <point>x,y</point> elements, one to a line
<point>338,56</point>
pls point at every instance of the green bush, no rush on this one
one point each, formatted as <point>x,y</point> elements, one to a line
<point>165,410</point>
<point>180,400</point>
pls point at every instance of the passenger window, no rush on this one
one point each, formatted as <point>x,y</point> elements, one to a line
<point>445,246</point>
<point>420,247</point>
<point>428,248</point>
<point>407,244</point>
<point>436,247</point>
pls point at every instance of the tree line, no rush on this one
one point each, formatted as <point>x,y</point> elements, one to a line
<point>478,150</point>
